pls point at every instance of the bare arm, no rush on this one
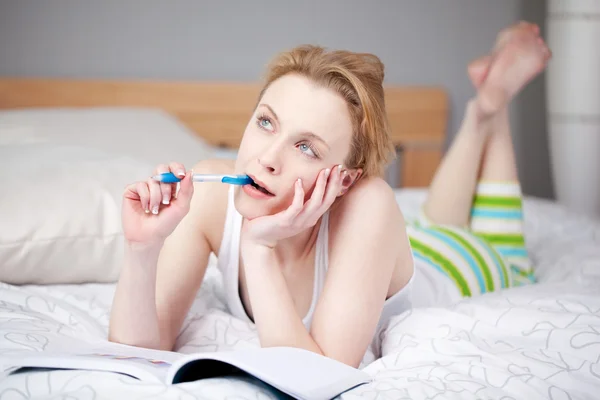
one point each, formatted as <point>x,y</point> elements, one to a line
<point>133,319</point>
<point>275,315</point>
<point>181,269</point>
<point>160,278</point>
<point>369,241</point>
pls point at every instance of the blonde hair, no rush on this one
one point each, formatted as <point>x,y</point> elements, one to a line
<point>358,78</point>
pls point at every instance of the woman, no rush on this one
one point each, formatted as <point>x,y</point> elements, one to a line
<point>317,253</point>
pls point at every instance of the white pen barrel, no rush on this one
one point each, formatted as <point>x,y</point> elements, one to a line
<point>206,178</point>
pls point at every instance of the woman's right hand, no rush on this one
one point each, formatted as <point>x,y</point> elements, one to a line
<point>150,211</point>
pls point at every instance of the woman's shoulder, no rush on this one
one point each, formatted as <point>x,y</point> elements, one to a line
<point>368,219</point>
<point>368,194</point>
<point>370,200</point>
<point>210,199</point>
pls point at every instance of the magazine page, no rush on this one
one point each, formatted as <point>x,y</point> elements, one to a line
<point>297,372</point>
<point>143,364</point>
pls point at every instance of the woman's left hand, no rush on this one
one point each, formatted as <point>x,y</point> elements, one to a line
<point>268,230</point>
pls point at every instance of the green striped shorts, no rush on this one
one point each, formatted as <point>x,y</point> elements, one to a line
<point>487,255</point>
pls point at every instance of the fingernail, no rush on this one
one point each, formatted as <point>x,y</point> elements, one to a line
<point>155,210</point>
<point>327,171</point>
<point>165,200</point>
<point>345,173</point>
<point>339,167</point>
<point>180,173</point>
<point>146,211</point>
<point>299,181</point>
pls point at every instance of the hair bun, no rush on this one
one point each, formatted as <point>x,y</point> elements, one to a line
<point>377,69</point>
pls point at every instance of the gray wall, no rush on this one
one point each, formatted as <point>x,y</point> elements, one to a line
<point>420,41</point>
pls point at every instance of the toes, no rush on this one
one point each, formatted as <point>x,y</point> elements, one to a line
<point>547,53</point>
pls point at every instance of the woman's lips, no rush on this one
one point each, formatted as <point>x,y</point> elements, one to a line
<point>256,193</point>
<point>261,186</point>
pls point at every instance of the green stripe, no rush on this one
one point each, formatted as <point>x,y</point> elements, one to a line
<point>520,277</point>
<point>497,201</point>
<point>502,265</point>
<point>444,263</point>
<point>489,283</point>
<point>503,239</point>
<point>519,271</point>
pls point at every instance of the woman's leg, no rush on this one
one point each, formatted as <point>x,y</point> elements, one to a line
<point>450,194</point>
<point>497,213</point>
<point>498,162</point>
<point>482,148</point>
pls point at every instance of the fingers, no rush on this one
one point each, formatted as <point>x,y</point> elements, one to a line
<point>177,168</point>
<point>186,190</point>
<point>155,195</point>
<point>327,188</point>
<point>319,191</point>
<point>144,193</point>
<point>165,188</point>
<point>163,192</point>
<point>139,192</point>
<point>151,193</point>
<point>297,203</point>
<point>335,186</point>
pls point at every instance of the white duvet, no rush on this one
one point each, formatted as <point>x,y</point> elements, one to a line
<point>537,342</point>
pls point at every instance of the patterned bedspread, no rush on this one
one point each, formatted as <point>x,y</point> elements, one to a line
<point>536,342</point>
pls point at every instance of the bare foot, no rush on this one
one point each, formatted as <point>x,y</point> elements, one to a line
<point>479,68</point>
<point>521,55</point>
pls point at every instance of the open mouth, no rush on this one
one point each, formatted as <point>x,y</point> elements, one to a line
<point>261,189</point>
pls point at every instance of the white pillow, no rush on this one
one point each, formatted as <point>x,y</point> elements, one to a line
<point>147,134</point>
<point>60,212</point>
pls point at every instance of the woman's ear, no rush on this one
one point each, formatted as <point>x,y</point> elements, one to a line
<point>351,177</point>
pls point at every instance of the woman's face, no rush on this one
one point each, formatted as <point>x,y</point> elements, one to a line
<point>297,130</point>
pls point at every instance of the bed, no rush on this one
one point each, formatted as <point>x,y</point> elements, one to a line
<point>60,246</point>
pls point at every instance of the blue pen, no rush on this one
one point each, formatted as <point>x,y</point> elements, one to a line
<point>169,177</point>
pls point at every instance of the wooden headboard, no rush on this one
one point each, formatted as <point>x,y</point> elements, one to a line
<point>219,112</point>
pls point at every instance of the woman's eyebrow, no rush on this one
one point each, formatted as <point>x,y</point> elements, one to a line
<point>270,110</point>
<point>309,135</point>
<point>313,136</point>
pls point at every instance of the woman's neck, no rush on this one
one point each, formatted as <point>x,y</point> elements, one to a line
<point>298,247</point>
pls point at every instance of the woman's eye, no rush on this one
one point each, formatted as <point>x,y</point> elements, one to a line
<point>265,123</point>
<point>306,149</point>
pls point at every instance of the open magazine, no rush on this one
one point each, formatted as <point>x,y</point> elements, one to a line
<point>296,372</point>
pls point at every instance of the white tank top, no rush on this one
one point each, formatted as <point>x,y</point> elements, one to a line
<point>228,264</point>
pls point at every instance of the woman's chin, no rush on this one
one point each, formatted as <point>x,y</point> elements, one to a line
<point>251,213</point>
<point>251,209</point>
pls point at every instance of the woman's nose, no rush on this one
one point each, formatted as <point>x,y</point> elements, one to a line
<point>269,159</point>
<point>266,165</point>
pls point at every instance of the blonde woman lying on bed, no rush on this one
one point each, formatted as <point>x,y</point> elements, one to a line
<point>324,258</point>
